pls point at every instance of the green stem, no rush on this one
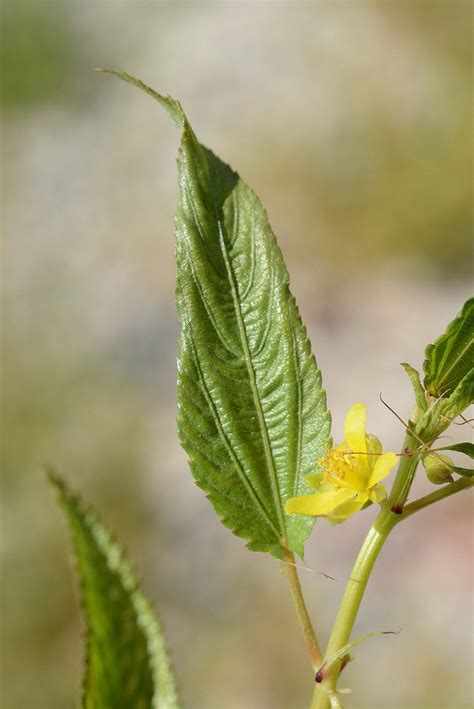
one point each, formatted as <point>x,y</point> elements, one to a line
<point>405,474</point>
<point>288,567</point>
<point>378,533</point>
<point>440,494</point>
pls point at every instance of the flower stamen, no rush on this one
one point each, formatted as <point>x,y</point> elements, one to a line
<point>337,464</point>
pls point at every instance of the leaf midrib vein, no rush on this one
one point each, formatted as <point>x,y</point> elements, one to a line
<point>299,384</point>
<point>230,451</point>
<point>253,383</point>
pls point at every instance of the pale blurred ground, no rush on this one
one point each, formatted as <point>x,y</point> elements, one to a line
<point>352,121</point>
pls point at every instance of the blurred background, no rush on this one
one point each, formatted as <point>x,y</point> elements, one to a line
<point>352,121</point>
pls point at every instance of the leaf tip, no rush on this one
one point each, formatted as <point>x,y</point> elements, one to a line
<point>171,105</point>
<point>53,478</point>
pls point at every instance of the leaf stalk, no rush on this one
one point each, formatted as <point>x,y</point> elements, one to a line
<point>288,566</point>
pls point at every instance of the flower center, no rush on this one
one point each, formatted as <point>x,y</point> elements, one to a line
<point>337,465</point>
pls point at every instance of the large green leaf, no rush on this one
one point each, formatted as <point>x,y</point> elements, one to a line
<point>127,662</point>
<point>252,411</point>
<point>451,357</point>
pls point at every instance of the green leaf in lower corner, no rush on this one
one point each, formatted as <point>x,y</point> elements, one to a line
<point>451,357</point>
<point>252,410</point>
<point>127,661</point>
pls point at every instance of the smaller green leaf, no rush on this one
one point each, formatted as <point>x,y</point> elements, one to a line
<point>451,356</point>
<point>465,472</point>
<point>127,661</point>
<point>466,448</point>
<point>418,389</point>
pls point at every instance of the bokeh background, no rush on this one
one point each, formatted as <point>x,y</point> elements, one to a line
<point>352,121</point>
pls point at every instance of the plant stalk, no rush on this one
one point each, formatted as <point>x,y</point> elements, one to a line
<point>378,533</point>
<point>288,567</point>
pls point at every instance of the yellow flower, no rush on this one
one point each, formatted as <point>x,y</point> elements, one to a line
<point>352,474</point>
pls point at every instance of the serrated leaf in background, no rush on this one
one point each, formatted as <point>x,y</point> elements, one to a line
<point>252,410</point>
<point>127,661</point>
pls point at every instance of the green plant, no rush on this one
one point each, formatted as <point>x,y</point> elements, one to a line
<point>254,422</point>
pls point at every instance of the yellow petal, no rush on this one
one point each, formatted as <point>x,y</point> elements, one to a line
<point>377,493</point>
<point>354,428</point>
<point>373,445</point>
<point>356,478</point>
<point>319,504</point>
<point>383,465</point>
<point>347,509</point>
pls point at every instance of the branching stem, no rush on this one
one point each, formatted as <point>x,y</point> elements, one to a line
<point>440,494</point>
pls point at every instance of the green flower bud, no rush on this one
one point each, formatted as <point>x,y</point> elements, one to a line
<point>438,468</point>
